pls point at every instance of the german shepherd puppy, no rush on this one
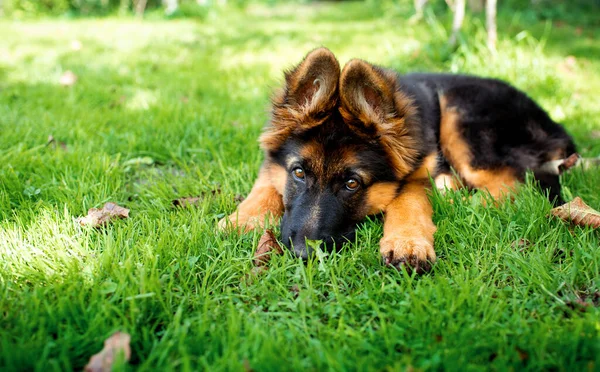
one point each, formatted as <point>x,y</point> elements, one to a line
<point>343,145</point>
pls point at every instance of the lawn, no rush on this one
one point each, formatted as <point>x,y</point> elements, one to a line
<point>171,108</point>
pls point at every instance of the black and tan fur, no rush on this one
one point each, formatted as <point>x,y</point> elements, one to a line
<point>343,144</point>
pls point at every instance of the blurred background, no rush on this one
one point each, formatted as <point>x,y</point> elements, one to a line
<point>581,11</point>
<point>187,83</point>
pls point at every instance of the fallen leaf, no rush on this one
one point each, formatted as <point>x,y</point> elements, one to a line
<point>247,366</point>
<point>119,102</point>
<point>568,163</point>
<point>193,200</point>
<point>100,217</point>
<point>104,360</point>
<point>187,202</point>
<point>523,355</point>
<point>68,78</point>
<point>560,166</point>
<point>521,244</point>
<point>295,290</point>
<point>266,245</point>
<point>239,198</point>
<point>579,213</point>
<point>583,301</point>
<point>256,271</point>
<point>52,142</point>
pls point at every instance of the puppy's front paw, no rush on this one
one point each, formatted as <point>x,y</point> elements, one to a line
<point>224,224</point>
<point>243,222</point>
<point>235,221</point>
<point>410,253</point>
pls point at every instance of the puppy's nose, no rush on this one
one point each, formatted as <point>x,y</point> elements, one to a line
<point>300,248</point>
<point>301,252</point>
<point>297,246</point>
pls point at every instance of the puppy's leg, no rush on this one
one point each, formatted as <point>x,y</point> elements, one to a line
<point>408,229</point>
<point>499,181</point>
<point>550,184</point>
<point>447,181</point>
<point>263,204</point>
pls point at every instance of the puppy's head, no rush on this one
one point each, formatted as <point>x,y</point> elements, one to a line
<point>340,144</point>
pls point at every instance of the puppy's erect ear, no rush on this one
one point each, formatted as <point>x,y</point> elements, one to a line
<point>311,86</point>
<point>370,94</point>
<point>373,105</point>
<point>309,96</point>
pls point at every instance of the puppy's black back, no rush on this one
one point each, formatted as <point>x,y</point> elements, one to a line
<point>501,125</point>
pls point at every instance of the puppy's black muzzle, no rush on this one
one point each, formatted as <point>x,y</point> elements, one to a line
<point>315,217</point>
<point>304,246</point>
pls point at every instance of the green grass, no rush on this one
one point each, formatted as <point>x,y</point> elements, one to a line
<point>193,98</point>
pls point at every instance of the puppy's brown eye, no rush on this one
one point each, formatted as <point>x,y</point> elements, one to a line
<point>298,173</point>
<point>351,184</point>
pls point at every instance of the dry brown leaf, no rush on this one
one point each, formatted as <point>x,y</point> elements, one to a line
<point>295,290</point>
<point>104,360</point>
<point>521,244</point>
<point>523,355</point>
<point>99,217</point>
<point>266,245</point>
<point>52,142</point>
<point>68,78</point>
<point>583,301</point>
<point>560,166</point>
<point>190,201</point>
<point>568,163</point>
<point>256,272</point>
<point>579,213</point>
<point>247,366</point>
<point>187,202</point>
<point>119,102</point>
